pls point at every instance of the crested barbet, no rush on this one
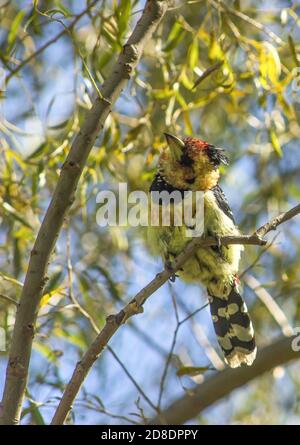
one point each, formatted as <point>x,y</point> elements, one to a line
<point>191,164</point>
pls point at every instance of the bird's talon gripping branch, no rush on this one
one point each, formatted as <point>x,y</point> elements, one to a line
<point>173,277</point>
<point>169,268</point>
<point>218,240</point>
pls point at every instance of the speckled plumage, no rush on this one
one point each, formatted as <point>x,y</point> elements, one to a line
<point>193,164</point>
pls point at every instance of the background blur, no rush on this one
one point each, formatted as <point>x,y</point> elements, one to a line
<point>248,104</point>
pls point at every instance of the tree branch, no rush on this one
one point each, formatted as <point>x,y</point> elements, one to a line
<point>63,197</point>
<point>135,306</point>
<point>224,382</point>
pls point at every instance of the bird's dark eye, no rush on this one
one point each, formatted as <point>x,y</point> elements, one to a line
<point>186,160</point>
<point>191,181</point>
<point>216,155</point>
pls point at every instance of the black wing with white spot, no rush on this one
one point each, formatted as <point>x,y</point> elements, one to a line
<point>222,202</point>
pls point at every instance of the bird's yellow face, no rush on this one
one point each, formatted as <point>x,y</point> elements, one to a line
<point>190,164</point>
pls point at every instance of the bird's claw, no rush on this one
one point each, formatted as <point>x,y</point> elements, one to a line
<point>218,240</point>
<point>169,267</point>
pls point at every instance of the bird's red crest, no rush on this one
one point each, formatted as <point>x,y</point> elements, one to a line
<point>195,143</point>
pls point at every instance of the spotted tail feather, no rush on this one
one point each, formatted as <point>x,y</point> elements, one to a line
<point>233,328</point>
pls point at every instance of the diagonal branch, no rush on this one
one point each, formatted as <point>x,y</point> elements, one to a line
<point>223,383</point>
<point>63,197</point>
<point>135,306</point>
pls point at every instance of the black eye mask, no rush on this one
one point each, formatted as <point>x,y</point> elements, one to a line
<point>186,160</point>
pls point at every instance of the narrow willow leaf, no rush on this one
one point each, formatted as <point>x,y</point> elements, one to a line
<point>275,143</point>
<point>13,33</point>
<point>208,72</point>
<point>123,11</point>
<point>15,214</point>
<point>192,370</point>
<point>293,50</point>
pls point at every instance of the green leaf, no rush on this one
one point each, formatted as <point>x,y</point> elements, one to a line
<point>193,54</point>
<point>163,93</point>
<point>14,30</point>
<point>15,214</point>
<point>34,411</point>
<point>45,351</point>
<point>11,279</point>
<point>41,149</point>
<point>123,12</point>
<point>176,34</point>
<point>208,72</point>
<point>193,370</point>
<point>293,50</point>
<point>54,11</point>
<point>37,416</point>
<point>53,281</point>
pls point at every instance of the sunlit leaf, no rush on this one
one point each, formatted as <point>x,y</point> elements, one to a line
<point>123,11</point>
<point>175,36</point>
<point>11,279</point>
<point>294,52</point>
<point>275,142</point>
<point>15,26</point>
<point>15,214</point>
<point>269,65</point>
<point>47,297</point>
<point>193,54</point>
<point>45,351</point>
<point>215,51</point>
<point>208,72</point>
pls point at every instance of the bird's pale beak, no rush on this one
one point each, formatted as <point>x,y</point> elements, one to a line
<point>176,145</point>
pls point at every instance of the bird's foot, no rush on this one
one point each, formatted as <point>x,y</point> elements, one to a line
<point>218,240</point>
<point>169,268</point>
<point>219,244</point>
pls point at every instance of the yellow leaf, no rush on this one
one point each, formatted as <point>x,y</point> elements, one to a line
<point>11,279</point>
<point>193,54</point>
<point>215,51</point>
<point>188,123</point>
<point>46,298</point>
<point>275,142</point>
<point>269,65</point>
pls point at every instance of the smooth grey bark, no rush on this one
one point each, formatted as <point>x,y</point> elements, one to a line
<point>63,197</point>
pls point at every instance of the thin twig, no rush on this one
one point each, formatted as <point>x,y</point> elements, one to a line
<point>202,339</point>
<point>138,387</point>
<point>9,299</point>
<point>46,45</point>
<point>169,358</point>
<point>224,8</point>
<point>258,257</point>
<point>93,407</point>
<point>267,299</point>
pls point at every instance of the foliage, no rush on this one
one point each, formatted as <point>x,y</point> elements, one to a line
<point>225,71</point>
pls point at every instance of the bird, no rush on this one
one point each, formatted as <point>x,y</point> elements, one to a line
<point>192,164</point>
